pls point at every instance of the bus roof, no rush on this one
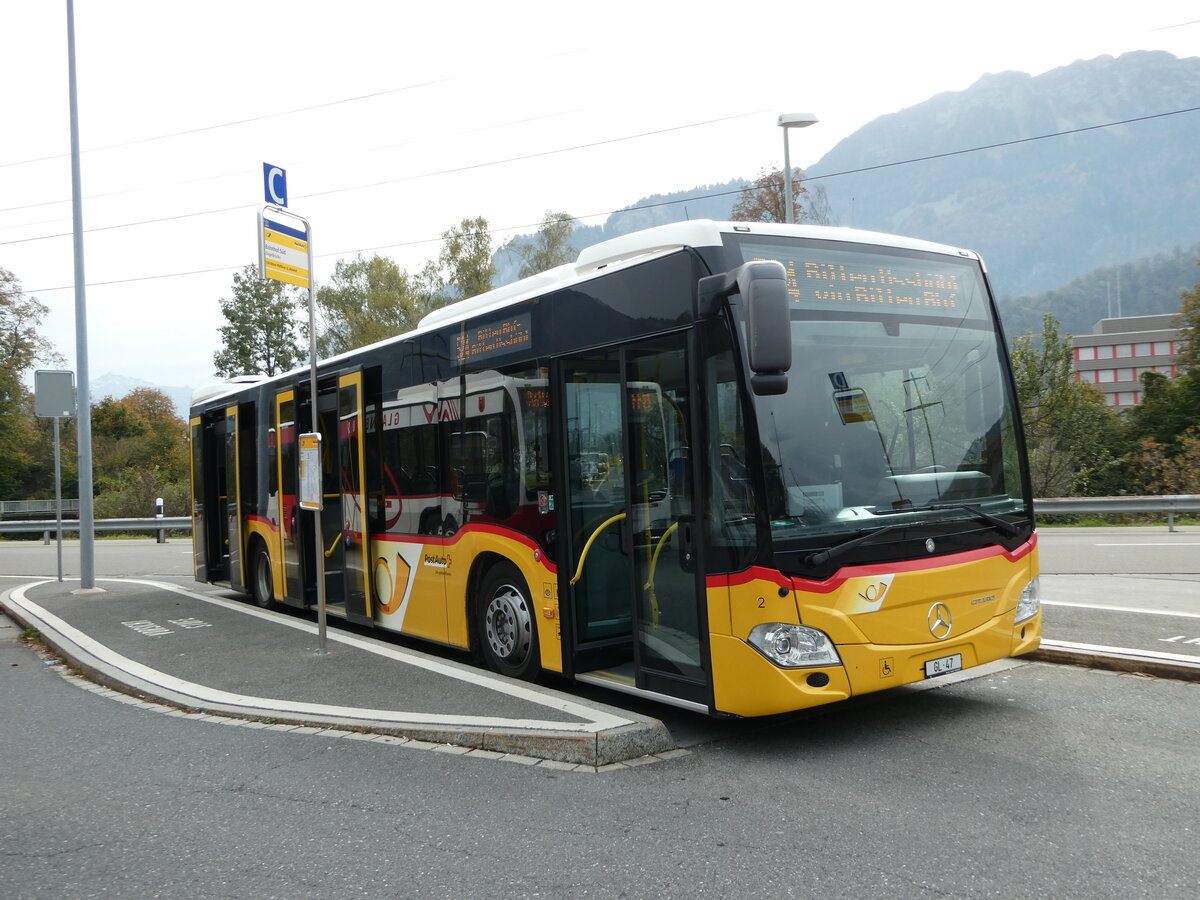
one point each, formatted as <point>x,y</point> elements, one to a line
<point>638,246</point>
<point>614,254</point>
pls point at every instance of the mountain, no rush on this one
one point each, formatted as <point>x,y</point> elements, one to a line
<point>1145,287</point>
<point>119,386</point>
<point>710,201</point>
<point>1042,211</point>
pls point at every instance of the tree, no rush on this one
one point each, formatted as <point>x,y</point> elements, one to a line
<point>465,262</point>
<point>139,453</point>
<point>763,201</point>
<point>550,247</point>
<point>21,347</point>
<point>1188,323</point>
<point>262,334</point>
<point>1164,412</point>
<point>368,300</point>
<point>1073,437</point>
<point>1161,470</point>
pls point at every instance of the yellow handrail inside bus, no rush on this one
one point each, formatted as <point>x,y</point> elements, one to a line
<point>333,546</point>
<point>588,546</point>
<point>649,585</point>
<point>657,550</point>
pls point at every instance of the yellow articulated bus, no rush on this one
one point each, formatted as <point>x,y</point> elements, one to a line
<point>740,468</point>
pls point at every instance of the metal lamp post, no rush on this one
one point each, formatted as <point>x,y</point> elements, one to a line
<point>786,121</point>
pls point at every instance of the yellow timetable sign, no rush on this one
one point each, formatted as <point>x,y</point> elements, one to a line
<point>310,471</point>
<point>285,253</point>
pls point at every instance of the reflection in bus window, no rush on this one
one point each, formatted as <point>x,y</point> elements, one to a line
<point>732,508</point>
<point>411,474</point>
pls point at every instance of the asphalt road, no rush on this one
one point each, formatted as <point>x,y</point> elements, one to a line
<point>1036,781</point>
<point>1121,551</point>
<point>1132,588</point>
<point>1019,780</point>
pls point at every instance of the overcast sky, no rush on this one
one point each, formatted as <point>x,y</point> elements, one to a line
<point>395,120</point>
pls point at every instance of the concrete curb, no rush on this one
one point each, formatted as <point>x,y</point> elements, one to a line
<point>643,736</point>
<point>1118,659</point>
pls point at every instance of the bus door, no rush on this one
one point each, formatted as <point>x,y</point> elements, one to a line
<point>344,523</point>
<point>291,522</point>
<point>233,503</point>
<point>214,501</point>
<point>635,616</point>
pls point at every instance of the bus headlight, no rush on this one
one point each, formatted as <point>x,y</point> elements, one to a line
<point>1030,602</point>
<point>794,646</point>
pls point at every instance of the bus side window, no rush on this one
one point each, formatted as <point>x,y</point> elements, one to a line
<point>411,475</point>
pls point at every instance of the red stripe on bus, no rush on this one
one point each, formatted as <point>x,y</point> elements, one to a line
<point>760,573</point>
<point>466,529</point>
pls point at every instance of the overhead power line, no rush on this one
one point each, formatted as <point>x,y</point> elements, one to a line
<point>903,162</point>
<point>241,172</point>
<point>375,184</point>
<point>264,117</point>
<point>203,128</point>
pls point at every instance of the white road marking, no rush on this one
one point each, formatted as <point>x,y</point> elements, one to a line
<point>1128,609</point>
<point>1153,544</point>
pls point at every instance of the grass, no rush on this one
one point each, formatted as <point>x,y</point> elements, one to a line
<point>1127,520</point>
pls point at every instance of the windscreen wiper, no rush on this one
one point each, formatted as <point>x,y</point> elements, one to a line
<point>824,556</point>
<point>1001,525</point>
<point>817,559</point>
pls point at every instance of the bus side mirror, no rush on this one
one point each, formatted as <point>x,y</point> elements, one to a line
<point>762,285</point>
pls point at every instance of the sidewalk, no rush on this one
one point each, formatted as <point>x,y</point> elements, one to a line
<point>229,658</point>
<point>226,657</point>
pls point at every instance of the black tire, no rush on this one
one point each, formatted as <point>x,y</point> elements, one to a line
<point>261,581</point>
<point>506,623</point>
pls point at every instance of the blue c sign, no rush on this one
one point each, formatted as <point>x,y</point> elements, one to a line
<point>274,185</point>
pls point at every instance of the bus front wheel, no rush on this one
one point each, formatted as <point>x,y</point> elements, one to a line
<point>263,583</point>
<point>505,619</point>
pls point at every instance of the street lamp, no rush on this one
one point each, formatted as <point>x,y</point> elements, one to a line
<point>786,121</point>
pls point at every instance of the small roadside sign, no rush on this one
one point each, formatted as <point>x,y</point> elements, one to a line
<point>54,398</point>
<point>274,185</point>
<point>53,394</point>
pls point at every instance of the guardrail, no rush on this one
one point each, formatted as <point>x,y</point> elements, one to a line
<point>48,527</point>
<point>1171,504</point>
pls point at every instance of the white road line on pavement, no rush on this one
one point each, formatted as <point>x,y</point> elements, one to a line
<point>1154,544</point>
<point>1123,609</point>
<point>594,720</point>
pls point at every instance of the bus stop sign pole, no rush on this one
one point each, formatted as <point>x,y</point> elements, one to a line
<point>285,254</point>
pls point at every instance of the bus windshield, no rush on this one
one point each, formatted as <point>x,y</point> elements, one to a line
<point>898,408</point>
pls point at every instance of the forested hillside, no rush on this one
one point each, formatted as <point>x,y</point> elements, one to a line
<point>1031,172</point>
<point>1147,287</point>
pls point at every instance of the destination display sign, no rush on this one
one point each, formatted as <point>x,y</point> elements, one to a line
<point>478,342</point>
<point>820,279</point>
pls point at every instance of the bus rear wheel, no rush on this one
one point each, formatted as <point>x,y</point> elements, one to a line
<point>507,630</point>
<point>262,582</point>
